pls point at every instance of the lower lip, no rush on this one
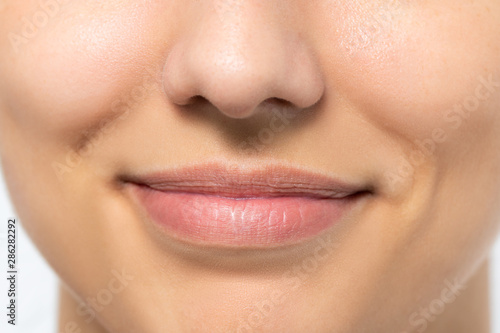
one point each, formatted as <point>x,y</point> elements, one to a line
<point>241,222</point>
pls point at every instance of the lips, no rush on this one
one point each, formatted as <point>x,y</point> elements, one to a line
<point>237,207</point>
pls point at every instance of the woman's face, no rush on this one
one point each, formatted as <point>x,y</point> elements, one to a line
<point>400,98</point>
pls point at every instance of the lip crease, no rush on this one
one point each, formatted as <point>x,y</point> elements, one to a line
<point>216,205</point>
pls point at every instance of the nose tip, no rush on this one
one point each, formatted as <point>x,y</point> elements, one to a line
<point>237,69</point>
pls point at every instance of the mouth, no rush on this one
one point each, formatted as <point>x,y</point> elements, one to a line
<point>215,205</point>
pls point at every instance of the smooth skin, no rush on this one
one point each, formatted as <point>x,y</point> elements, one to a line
<point>401,95</point>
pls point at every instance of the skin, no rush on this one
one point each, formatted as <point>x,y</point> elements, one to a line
<point>368,82</point>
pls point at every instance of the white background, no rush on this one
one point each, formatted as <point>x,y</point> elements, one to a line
<point>37,286</point>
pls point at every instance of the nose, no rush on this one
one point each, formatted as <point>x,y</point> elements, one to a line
<point>237,57</point>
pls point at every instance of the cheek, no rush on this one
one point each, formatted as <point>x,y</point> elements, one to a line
<point>407,68</point>
<point>77,66</point>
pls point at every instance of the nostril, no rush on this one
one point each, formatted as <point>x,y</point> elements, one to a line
<point>197,99</point>
<point>279,102</point>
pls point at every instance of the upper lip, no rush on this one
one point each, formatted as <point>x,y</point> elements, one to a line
<point>237,182</point>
